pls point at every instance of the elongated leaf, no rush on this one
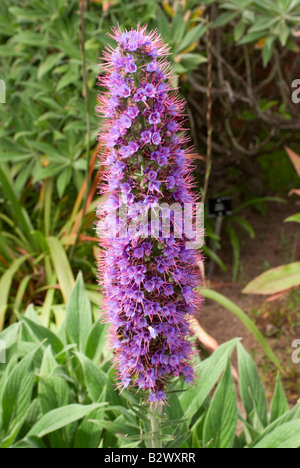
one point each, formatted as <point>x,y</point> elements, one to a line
<point>31,442</point>
<point>96,380</point>
<point>279,404</point>
<point>79,315</point>
<point>207,376</point>
<point>118,427</point>
<point>285,436</point>
<point>275,280</point>
<point>221,419</point>
<point>61,417</point>
<point>88,434</point>
<point>215,257</point>
<point>225,18</point>
<point>240,314</point>
<point>5,285</point>
<point>192,36</point>
<point>62,267</point>
<point>53,391</point>
<point>255,201</point>
<point>41,333</point>
<point>17,392</point>
<point>251,388</point>
<point>293,219</point>
<point>292,415</point>
<point>48,64</point>
<point>96,342</point>
<point>18,212</point>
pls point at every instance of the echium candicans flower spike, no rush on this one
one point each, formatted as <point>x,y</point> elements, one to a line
<point>148,277</point>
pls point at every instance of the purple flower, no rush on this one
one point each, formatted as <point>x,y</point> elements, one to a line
<point>154,118</point>
<point>124,91</point>
<point>133,112</point>
<point>148,274</point>
<point>150,90</point>
<point>146,136</point>
<point>152,66</point>
<point>127,151</point>
<point>130,66</point>
<point>139,252</point>
<point>156,138</point>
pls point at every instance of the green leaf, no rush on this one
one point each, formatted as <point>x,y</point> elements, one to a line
<point>62,181</point>
<point>61,417</point>
<point>6,283</point>
<point>215,257</point>
<point>79,315</point>
<point>62,267</point>
<point>17,392</point>
<point>117,428</point>
<point>41,333</point>
<point>96,380</point>
<point>18,212</point>
<point>268,50</point>
<point>96,342</point>
<point>30,38</point>
<point>239,30</point>
<point>287,417</point>
<point>240,314</point>
<point>284,33</point>
<point>275,280</point>
<point>245,225</point>
<point>252,37</point>
<point>53,390</point>
<point>48,64</point>
<point>251,387</point>
<point>66,80</point>
<point>285,436</point>
<point>225,18</point>
<point>192,36</point>
<point>257,201</point>
<point>279,405</point>
<point>191,61</point>
<point>221,419</point>
<point>88,434</point>
<point>293,219</point>
<point>30,442</point>
<point>207,376</point>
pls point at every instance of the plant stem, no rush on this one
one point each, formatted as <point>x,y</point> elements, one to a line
<point>155,418</point>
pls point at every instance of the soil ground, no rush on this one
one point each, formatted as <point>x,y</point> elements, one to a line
<point>275,243</point>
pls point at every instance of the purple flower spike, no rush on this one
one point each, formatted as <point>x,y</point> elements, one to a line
<point>149,274</point>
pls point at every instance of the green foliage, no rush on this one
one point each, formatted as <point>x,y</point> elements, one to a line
<point>265,21</point>
<point>276,280</point>
<point>57,391</point>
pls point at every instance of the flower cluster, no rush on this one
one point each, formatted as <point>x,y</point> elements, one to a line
<point>149,278</point>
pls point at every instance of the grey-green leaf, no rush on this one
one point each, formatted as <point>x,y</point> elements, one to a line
<point>251,387</point>
<point>221,419</point>
<point>79,315</point>
<point>279,404</point>
<point>61,417</point>
<point>207,376</point>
